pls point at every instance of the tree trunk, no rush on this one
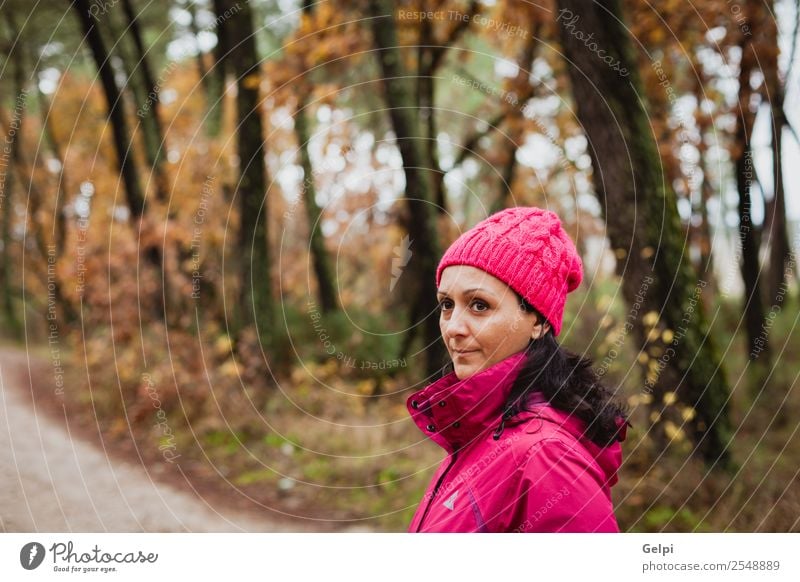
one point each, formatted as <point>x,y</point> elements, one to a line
<point>419,190</point>
<point>201,64</point>
<point>145,94</point>
<point>119,126</point>
<point>701,234</point>
<point>23,170</point>
<point>218,75</point>
<point>780,251</point>
<point>319,255</point>
<point>749,235</point>
<point>9,159</point>
<point>148,106</point>
<point>430,57</point>
<point>426,88</point>
<point>703,231</point>
<point>758,342</point>
<point>516,131</point>
<point>60,222</point>
<point>644,227</point>
<point>64,313</point>
<point>255,293</point>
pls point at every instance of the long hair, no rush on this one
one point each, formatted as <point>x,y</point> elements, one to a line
<point>569,383</point>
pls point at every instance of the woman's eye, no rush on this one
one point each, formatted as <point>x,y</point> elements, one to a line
<point>480,305</point>
<point>444,304</point>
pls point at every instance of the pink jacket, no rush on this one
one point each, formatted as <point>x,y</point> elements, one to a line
<point>540,476</point>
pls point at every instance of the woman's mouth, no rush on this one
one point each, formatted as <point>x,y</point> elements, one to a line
<point>463,353</point>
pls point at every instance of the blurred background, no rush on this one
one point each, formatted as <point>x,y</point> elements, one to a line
<point>221,221</point>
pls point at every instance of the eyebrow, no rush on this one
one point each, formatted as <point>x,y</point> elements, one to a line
<point>468,291</point>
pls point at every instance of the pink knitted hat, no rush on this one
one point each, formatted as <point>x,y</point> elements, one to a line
<point>526,248</point>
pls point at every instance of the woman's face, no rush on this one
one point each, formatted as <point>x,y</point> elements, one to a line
<point>481,319</point>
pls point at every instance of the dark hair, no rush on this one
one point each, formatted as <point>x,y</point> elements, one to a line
<point>569,383</point>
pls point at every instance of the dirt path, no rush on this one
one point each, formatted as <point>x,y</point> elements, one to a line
<point>55,482</point>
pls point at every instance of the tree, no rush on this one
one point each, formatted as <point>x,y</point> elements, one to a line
<point>255,292</point>
<point>119,125</point>
<point>644,228</point>
<point>430,57</point>
<point>749,233</point>
<point>11,159</point>
<point>405,119</point>
<point>69,315</point>
<point>202,70</point>
<point>218,75</point>
<point>121,137</point>
<point>775,217</point>
<point>148,105</point>
<point>326,288</point>
<point>515,120</point>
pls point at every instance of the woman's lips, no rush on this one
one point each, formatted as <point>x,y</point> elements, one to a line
<point>464,353</point>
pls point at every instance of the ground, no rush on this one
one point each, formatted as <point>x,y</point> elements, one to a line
<point>57,478</point>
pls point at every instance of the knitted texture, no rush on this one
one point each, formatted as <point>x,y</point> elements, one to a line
<point>526,248</point>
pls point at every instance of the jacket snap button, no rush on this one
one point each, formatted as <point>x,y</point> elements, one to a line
<point>431,428</point>
<point>442,403</point>
<point>456,424</point>
<point>414,404</point>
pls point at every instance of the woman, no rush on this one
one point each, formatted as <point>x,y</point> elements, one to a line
<point>532,436</point>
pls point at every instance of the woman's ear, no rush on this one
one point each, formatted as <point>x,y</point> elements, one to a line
<point>540,329</point>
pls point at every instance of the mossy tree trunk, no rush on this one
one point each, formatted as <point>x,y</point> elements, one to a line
<point>684,374</point>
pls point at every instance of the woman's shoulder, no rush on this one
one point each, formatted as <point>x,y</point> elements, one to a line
<point>547,431</point>
<point>552,442</point>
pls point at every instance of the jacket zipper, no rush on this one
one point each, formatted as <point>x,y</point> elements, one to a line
<point>436,490</point>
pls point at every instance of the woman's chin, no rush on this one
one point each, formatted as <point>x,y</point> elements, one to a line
<point>465,370</point>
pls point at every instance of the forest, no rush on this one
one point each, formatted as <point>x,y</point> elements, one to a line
<point>220,223</point>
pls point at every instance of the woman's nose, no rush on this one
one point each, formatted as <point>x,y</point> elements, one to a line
<point>456,324</point>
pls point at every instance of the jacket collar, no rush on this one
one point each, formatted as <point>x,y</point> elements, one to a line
<point>454,412</point>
